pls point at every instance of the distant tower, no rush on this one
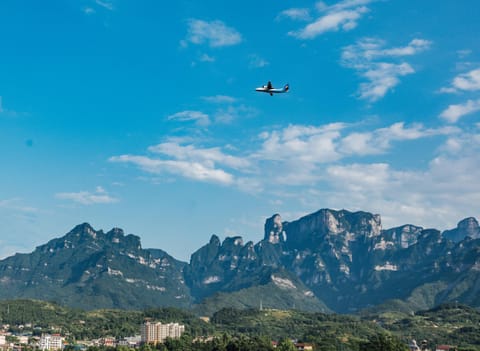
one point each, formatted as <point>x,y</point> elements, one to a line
<point>261,305</point>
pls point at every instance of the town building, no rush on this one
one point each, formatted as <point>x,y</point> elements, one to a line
<point>51,342</point>
<point>158,332</point>
<point>301,346</point>
<point>108,341</point>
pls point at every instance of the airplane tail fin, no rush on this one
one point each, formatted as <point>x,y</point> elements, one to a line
<point>286,87</point>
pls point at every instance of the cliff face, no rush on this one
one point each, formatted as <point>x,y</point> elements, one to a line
<point>311,230</point>
<point>466,228</point>
<point>93,269</point>
<point>328,260</point>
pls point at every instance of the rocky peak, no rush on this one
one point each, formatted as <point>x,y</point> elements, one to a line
<point>314,228</point>
<point>470,226</point>
<point>274,232</point>
<point>466,227</point>
<point>403,236</point>
<point>232,241</point>
<point>207,253</point>
<point>83,229</point>
<point>215,240</point>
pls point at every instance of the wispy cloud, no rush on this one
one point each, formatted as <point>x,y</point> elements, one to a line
<point>202,155</point>
<point>8,112</point>
<point>228,114</point>
<point>301,143</point>
<point>105,4</point>
<point>198,117</point>
<point>300,152</point>
<point>464,53</point>
<point>297,14</point>
<point>454,112</point>
<point>89,10</point>
<point>206,58</point>
<point>426,197</point>
<point>100,196</point>
<point>343,15</point>
<point>257,61</point>
<point>214,33</point>
<point>379,65</point>
<point>220,99</point>
<point>198,164</point>
<point>322,165</point>
<point>225,110</point>
<point>15,204</point>
<point>292,155</point>
<point>464,82</point>
<point>380,140</point>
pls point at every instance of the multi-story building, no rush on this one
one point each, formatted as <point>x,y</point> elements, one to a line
<point>51,342</point>
<point>158,332</point>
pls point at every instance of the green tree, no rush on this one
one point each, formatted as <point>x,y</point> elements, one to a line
<point>286,345</point>
<point>383,342</point>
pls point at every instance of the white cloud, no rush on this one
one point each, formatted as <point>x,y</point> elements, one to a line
<point>343,15</point>
<point>15,204</point>
<point>226,115</point>
<point>192,162</point>
<point>191,170</point>
<point>257,61</point>
<point>198,117</point>
<point>454,112</point>
<point>469,81</point>
<point>100,196</point>
<point>380,140</point>
<point>206,58</point>
<point>202,155</point>
<point>105,4</point>
<point>297,155</point>
<point>214,33</point>
<point>358,177</point>
<point>220,99</point>
<point>321,166</point>
<point>298,14</point>
<point>89,10</point>
<point>293,155</point>
<point>8,112</point>
<point>381,76</point>
<point>301,143</point>
<point>438,196</point>
<point>464,53</point>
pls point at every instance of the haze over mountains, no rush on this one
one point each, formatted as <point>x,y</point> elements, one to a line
<point>327,261</point>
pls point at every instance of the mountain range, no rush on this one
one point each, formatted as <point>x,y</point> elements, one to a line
<point>330,260</point>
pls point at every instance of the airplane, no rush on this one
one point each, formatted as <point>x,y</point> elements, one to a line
<point>271,90</point>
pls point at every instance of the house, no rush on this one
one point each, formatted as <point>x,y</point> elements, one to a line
<point>301,346</point>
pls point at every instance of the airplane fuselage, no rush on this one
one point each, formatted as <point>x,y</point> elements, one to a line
<point>271,91</point>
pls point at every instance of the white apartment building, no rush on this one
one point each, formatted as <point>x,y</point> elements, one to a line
<point>51,342</point>
<point>158,332</point>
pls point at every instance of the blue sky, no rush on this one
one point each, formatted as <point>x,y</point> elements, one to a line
<point>144,116</point>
